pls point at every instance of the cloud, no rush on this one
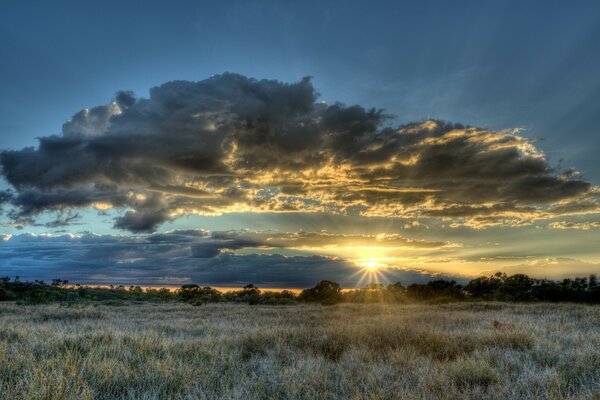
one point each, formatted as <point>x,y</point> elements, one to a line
<point>5,195</point>
<point>91,122</point>
<point>231,143</point>
<point>172,259</point>
<point>575,225</point>
<point>149,212</point>
<point>552,268</point>
<point>311,241</point>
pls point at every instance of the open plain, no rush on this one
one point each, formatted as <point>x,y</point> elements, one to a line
<point>232,351</point>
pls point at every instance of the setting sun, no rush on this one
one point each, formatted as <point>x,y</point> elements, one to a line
<point>370,265</point>
<point>371,271</point>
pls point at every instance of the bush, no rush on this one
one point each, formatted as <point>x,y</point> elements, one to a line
<point>7,295</point>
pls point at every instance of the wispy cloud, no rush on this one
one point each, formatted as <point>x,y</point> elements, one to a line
<point>575,225</point>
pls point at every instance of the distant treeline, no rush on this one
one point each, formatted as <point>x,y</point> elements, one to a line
<point>498,287</point>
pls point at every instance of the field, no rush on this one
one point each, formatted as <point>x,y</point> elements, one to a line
<point>347,351</point>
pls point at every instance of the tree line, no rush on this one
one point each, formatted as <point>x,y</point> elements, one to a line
<point>497,287</point>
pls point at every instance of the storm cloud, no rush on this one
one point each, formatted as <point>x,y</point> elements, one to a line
<point>172,259</point>
<point>232,143</point>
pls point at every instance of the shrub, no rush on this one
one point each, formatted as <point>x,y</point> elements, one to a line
<point>6,295</point>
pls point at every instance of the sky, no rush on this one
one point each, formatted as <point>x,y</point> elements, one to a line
<point>279,144</point>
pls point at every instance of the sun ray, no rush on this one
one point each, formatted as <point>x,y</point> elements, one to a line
<point>370,271</point>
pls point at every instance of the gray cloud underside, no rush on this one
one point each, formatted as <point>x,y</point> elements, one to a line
<point>231,143</point>
<point>171,259</point>
<point>218,242</point>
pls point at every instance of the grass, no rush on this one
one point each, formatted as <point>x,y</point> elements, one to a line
<point>348,351</point>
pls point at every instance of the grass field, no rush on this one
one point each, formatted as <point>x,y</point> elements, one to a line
<point>163,351</point>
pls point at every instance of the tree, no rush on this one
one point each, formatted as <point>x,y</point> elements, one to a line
<point>518,287</point>
<point>325,292</point>
<point>396,292</point>
<point>250,289</point>
<point>199,295</point>
<point>59,282</point>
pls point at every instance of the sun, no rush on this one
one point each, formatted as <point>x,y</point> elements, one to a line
<point>370,265</point>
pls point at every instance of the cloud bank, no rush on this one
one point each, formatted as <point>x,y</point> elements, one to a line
<point>552,268</point>
<point>179,257</point>
<point>231,143</point>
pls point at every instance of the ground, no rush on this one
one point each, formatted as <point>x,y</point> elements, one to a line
<point>347,351</point>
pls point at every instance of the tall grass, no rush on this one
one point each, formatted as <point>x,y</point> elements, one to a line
<point>163,351</point>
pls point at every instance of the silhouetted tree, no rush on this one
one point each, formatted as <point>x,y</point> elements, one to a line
<point>325,292</point>
<point>199,295</point>
<point>435,289</point>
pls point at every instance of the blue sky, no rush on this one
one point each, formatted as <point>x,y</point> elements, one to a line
<point>494,65</point>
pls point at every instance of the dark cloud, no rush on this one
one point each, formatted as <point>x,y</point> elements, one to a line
<point>231,143</point>
<point>149,212</point>
<point>171,259</point>
<point>141,221</point>
<point>5,196</point>
<point>63,219</point>
<point>34,201</point>
<point>235,240</point>
<point>125,99</point>
<point>94,121</point>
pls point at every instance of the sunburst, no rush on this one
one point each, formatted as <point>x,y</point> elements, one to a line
<point>370,271</point>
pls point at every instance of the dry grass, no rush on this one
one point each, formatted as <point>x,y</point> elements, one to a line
<point>453,351</point>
